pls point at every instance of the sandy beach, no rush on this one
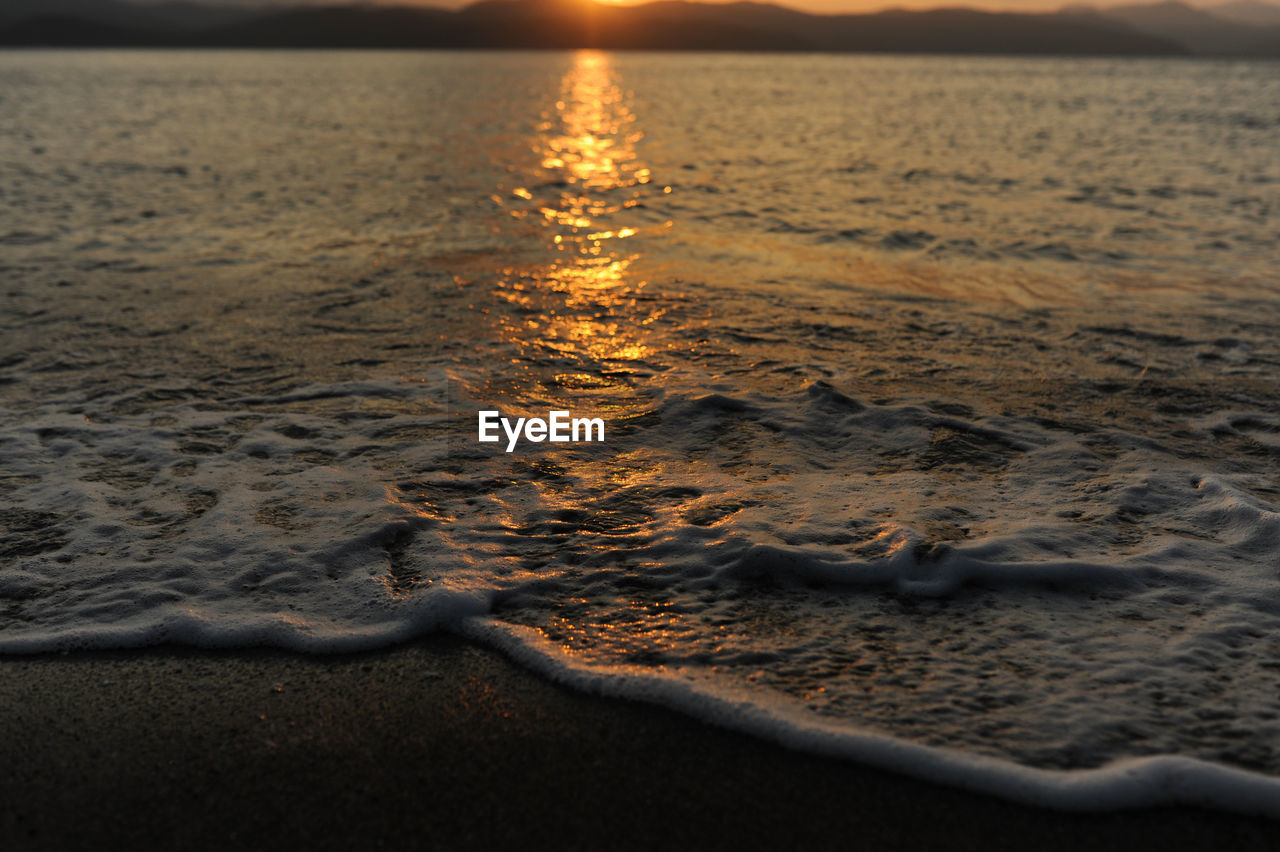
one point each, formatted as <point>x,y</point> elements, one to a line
<point>443,745</point>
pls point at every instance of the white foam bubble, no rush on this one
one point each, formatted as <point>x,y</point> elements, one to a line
<point>1163,780</point>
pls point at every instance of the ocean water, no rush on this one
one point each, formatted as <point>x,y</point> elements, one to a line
<point>942,396</point>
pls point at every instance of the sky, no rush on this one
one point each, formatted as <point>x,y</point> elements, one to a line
<point>827,6</point>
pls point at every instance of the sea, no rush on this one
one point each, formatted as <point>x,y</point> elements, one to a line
<point>941,394</point>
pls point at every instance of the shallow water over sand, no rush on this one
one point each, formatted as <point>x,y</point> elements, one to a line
<point>941,394</point>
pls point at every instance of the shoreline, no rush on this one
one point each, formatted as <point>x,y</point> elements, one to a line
<point>448,744</point>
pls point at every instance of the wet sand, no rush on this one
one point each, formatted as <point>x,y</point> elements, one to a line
<point>442,744</point>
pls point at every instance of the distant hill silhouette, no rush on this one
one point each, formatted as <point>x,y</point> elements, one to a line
<point>1248,12</point>
<point>118,14</point>
<point>68,31</point>
<point>1206,31</point>
<point>663,25</point>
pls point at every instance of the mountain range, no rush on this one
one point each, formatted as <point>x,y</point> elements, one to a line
<point>1235,28</point>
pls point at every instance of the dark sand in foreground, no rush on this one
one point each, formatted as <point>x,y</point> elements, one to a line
<point>442,744</point>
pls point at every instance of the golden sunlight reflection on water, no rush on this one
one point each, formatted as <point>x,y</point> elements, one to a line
<point>582,334</point>
<point>580,324</point>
